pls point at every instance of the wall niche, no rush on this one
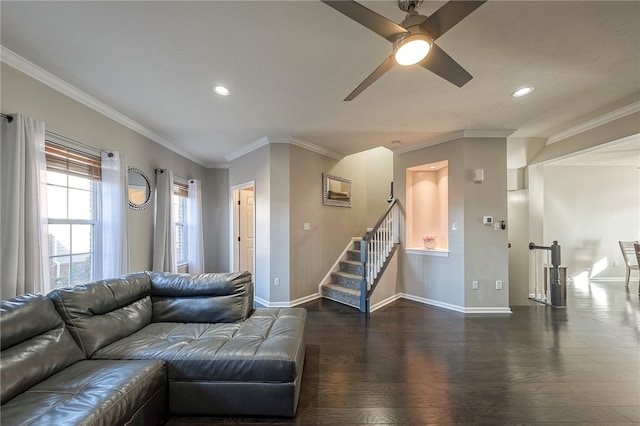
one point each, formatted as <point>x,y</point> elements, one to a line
<point>427,210</point>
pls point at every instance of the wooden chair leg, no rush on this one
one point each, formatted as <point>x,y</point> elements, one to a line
<point>626,282</point>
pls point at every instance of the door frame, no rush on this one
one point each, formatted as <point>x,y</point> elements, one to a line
<point>235,223</point>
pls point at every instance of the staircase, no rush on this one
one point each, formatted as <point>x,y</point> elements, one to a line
<point>345,283</point>
<point>354,277</point>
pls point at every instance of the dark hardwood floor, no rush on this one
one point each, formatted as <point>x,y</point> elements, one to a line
<point>413,364</point>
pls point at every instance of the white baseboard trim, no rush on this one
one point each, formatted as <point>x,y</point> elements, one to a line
<point>305,299</point>
<point>290,304</point>
<point>432,302</point>
<point>384,302</point>
<point>488,310</point>
<point>608,279</point>
<point>456,308</point>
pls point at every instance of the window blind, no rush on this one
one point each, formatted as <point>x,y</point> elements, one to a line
<point>71,161</point>
<point>180,189</point>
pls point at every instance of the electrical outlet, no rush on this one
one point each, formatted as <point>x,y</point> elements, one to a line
<point>616,263</point>
<point>276,281</point>
<point>474,285</point>
<point>498,285</point>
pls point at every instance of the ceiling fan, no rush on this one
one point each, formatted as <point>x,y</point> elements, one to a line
<point>413,39</point>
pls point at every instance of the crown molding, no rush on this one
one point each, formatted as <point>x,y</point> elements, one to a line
<point>593,123</point>
<point>266,140</point>
<point>315,148</point>
<point>458,134</point>
<point>247,149</point>
<point>32,70</point>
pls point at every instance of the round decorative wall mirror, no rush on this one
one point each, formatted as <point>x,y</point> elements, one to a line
<point>139,189</point>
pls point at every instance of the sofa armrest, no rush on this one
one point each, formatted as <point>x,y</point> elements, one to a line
<point>203,298</point>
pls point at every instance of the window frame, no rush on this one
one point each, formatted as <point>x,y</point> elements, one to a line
<point>82,165</point>
<point>180,196</point>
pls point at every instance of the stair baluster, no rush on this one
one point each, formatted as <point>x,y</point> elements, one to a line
<point>375,250</point>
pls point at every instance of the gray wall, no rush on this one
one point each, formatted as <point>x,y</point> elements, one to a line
<point>280,202</point>
<point>427,277</point>
<point>255,167</point>
<point>313,252</point>
<point>69,118</point>
<point>446,281</point>
<point>484,245</point>
<point>288,191</point>
<point>215,212</point>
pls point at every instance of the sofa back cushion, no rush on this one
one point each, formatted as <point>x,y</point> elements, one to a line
<point>34,342</point>
<point>101,312</point>
<point>204,298</point>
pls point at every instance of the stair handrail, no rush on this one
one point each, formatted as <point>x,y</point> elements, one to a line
<point>376,248</point>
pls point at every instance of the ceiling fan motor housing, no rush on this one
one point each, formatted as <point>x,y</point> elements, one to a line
<point>409,5</point>
<point>412,23</point>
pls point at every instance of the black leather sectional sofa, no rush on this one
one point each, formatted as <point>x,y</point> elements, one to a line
<point>130,350</point>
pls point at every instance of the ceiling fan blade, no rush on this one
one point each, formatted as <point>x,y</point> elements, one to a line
<point>438,62</point>
<point>368,18</point>
<point>376,74</point>
<point>449,15</point>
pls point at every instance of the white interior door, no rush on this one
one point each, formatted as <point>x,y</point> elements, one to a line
<point>246,213</point>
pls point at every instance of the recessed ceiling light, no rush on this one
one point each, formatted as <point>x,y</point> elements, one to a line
<point>396,142</point>
<point>523,91</point>
<point>432,167</point>
<point>221,90</point>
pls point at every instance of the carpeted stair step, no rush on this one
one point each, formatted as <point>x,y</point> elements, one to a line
<point>344,279</point>
<point>341,294</point>
<point>353,255</point>
<point>351,267</point>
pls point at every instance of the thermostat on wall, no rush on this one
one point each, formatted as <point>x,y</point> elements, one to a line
<point>487,220</point>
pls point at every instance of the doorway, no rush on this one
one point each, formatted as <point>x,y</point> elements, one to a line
<point>243,217</point>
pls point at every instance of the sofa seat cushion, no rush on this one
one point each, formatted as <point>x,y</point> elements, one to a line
<point>89,393</point>
<point>266,347</point>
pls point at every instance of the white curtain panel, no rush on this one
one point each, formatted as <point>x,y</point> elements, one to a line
<point>194,227</point>
<point>115,229</point>
<point>164,240</point>
<point>23,224</point>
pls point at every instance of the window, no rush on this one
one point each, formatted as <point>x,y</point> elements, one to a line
<point>180,197</point>
<point>73,179</point>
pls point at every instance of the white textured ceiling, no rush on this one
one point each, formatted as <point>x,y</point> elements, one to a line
<point>289,64</point>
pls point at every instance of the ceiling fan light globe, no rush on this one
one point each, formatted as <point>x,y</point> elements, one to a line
<point>412,49</point>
